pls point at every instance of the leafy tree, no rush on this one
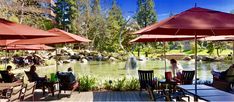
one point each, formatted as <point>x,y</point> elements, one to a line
<point>219,46</point>
<point>97,33</point>
<point>210,48</point>
<point>67,14</point>
<point>114,22</point>
<point>146,14</point>
<point>25,11</point>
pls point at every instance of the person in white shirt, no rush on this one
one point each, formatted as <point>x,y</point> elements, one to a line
<point>176,68</point>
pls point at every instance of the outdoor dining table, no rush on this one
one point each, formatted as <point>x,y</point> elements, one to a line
<point>207,93</point>
<point>218,98</point>
<point>199,87</point>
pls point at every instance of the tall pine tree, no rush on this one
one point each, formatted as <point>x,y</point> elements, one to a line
<point>146,14</point>
<point>114,22</point>
<point>67,14</point>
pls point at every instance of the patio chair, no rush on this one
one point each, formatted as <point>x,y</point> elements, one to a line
<point>223,84</point>
<point>29,91</point>
<point>38,85</point>
<point>13,94</point>
<point>65,82</point>
<point>147,82</point>
<point>6,78</point>
<point>186,79</point>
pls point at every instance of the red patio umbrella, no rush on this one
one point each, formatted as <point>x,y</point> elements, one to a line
<point>12,30</point>
<point>62,37</point>
<point>161,38</point>
<point>195,21</point>
<point>6,42</point>
<point>217,38</point>
<point>28,47</point>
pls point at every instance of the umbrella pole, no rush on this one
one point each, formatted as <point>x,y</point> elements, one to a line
<point>56,59</point>
<point>232,52</point>
<point>6,58</point>
<point>165,60</point>
<point>196,66</point>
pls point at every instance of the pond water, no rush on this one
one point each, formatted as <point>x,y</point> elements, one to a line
<point>113,70</point>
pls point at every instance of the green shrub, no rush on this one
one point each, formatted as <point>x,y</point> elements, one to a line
<point>118,84</point>
<point>108,84</point>
<point>122,84</point>
<point>87,83</point>
<point>132,84</point>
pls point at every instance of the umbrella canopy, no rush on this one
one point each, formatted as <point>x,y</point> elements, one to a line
<point>62,37</point>
<point>12,30</point>
<point>28,47</point>
<point>6,42</point>
<point>161,38</point>
<point>218,38</point>
<point>195,21</point>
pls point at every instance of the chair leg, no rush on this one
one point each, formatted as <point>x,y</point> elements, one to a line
<point>33,97</point>
<point>59,93</point>
<point>43,89</point>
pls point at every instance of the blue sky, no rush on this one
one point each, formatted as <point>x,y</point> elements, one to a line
<point>164,7</point>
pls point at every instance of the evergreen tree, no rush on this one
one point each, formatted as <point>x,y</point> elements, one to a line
<point>146,14</point>
<point>114,22</point>
<point>97,25</point>
<point>67,14</point>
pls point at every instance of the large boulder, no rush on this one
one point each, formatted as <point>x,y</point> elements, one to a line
<point>206,58</point>
<point>83,60</point>
<point>112,59</point>
<point>187,58</point>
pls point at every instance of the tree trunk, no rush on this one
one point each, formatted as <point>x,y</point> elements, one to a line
<point>22,13</point>
<point>217,52</point>
<point>138,52</point>
<point>146,54</point>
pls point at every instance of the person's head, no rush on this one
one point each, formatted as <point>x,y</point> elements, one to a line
<point>9,68</point>
<point>69,69</point>
<point>33,68</point>
<point>173,61</point>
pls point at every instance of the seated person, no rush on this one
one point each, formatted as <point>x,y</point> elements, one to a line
<point>72,79</point>
<point>12,75</point>
<point>176,69</point>
<point>224,75</point>
<point>35,76</point>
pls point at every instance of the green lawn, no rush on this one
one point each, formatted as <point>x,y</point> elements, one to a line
<point>203,52</point>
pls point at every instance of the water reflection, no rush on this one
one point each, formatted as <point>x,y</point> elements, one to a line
<point>109,70</point>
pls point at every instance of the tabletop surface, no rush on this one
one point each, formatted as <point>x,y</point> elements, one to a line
<point>207,93</point>
<point>199,87</point>
<point>218,98</point>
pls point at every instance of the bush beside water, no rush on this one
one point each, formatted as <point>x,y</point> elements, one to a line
<point>90,83</point>
<point>87,83</point>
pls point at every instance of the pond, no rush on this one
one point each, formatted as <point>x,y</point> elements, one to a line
<point>114,70</point>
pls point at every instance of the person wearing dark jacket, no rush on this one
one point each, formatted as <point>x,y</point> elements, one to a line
<point>35,76</point>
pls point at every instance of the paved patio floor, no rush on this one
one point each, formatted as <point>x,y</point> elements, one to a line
<point>97,96</point>
<point>94,96</point>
